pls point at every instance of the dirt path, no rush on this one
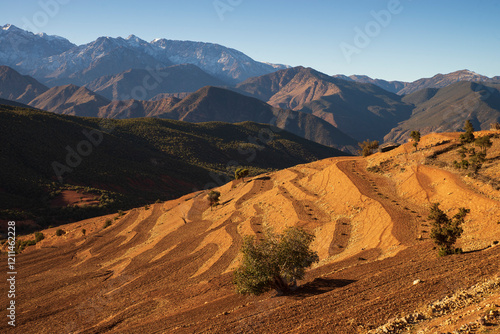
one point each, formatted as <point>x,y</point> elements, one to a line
<point>406,217</point>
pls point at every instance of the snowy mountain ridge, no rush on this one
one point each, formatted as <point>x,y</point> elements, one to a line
<point>54,60</point>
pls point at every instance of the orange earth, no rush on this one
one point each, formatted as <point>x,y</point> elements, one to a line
<point>168,268</point>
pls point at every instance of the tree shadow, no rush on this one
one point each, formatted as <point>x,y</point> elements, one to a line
<point>319,286</point>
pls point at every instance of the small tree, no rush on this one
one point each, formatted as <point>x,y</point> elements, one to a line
<point>241,173</point>
<point>415,135</point>
<point>468,136</point>
<point>276,262</point>
<point>446,231</point>
<point>367,147</point>
<point>213,198</point>
<point>484,143</point>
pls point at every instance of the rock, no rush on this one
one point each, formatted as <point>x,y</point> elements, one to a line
<point>415,282</point>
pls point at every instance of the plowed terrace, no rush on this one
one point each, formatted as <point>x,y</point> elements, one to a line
<point>168,268</point>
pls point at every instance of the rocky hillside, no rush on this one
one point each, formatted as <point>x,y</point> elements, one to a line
<point>168,267</point>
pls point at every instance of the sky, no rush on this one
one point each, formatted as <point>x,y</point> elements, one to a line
<point>386,39</point>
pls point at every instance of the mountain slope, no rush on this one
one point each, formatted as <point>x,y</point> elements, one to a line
<point>447,109</point>
<point>173,79</point>
<point>128,162</point>
<point>390,86</point>
<point>70,100</point>
<point>360,110</point>
<point>218,104</point>
<point>17,87</point>
<point>135,108</point>
<point>21,49</point>
<point>168,268</point>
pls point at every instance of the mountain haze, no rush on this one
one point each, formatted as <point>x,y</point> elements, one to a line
<point>437,81</point>
<point>362,111</point>
<point>70,100</point>
<point>141,84</point>
<point>446,109</point>
<point>17,87</point>
<point>218,104</point>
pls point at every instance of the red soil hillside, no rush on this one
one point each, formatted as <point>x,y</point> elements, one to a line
<point>168,268</point>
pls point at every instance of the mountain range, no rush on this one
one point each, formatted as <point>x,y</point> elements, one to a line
<point>437,81</point>
<point>55,61</point>
<point>129,78</point>
<point>363,111</point>
<point>206,104</point>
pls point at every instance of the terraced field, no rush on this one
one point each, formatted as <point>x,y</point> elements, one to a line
<point>167,268</point>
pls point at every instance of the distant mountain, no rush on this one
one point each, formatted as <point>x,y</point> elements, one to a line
<point>56,61</point>
<point>22,49</point>
<point>85,63</point>
<point>443,80</point>
<point>17,87</point>
<point>13,103</point>
<point>437,81</point>
<point>446,109</point>
<point>130,162</point>
<point>360,110</point>
<point>136,108</point>
<point>70,100</point>
<point>174,79</point>
<point>218,104</point>
<point>225,63</point>
<point>390,86</point>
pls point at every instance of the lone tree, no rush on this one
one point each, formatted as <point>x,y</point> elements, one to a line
<point>484,143</point>
<point>468,136</point>
<point>275,262</point>
<point>240,173</point>
<point>367,147</point>
<point>213,198</point>
<point>415,135</point>
<point>446,231</point>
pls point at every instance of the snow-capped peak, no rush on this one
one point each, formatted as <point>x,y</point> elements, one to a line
<point>11,27</point>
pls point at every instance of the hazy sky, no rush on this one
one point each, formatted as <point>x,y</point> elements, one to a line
<point>387,39</point>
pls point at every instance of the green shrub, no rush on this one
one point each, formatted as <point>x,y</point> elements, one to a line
<point>84,231</point>
<point>446,231</point>
<point>367,147</point>
<point>107,223</point>
<point>60,232</point>
<point>213,198</point>
<point>275,262</point>
<point>39,236</point>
